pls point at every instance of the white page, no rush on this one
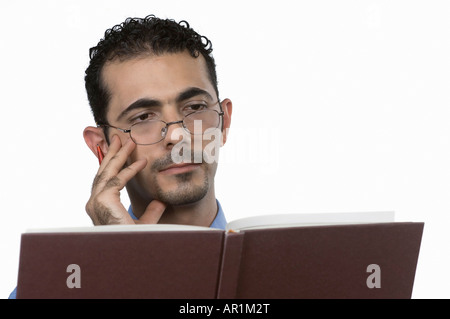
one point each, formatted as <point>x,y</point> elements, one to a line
<point>120,228</point>
<point>312,219</point>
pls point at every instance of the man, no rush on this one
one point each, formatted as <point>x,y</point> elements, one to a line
<point>155,77</point>
<point>152,88</point>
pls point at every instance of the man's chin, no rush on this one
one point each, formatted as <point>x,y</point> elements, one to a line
<point>184,191</point>
<point>180,198</point>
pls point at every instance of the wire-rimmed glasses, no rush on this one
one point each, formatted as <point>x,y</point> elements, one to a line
<point>151,131</point>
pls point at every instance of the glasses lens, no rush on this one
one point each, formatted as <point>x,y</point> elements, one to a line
<point>148,132</point>
<point>199,122</point>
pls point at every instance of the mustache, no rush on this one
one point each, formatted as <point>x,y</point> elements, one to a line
<point>164,162</point>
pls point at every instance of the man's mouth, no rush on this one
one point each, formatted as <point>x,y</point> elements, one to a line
<point>179,168</point>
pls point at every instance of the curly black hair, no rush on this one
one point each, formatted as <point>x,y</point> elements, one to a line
<point>135,37</point>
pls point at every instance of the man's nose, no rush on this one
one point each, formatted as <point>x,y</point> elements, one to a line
<point>175,133</point>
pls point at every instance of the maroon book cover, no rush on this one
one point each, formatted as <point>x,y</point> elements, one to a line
<point>160,265</point>
<point>339,261</point>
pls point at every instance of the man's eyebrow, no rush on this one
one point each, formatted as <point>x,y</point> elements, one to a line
<point>139,104</point>
<point>149,102</point>
<point>191,92</point>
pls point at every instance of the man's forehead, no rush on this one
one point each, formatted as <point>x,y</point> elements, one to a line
<point>119,71</point>
<point>160,77</point>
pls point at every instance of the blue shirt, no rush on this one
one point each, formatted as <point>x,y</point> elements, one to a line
<point>219,222</point>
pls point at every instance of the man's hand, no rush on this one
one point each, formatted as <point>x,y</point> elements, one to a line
<point>104,206</point>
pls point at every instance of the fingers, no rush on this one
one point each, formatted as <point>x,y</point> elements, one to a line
<point>117,155</point>
<point>104,205</point>
<point>153,212</point>
<point>125,175</point>
<point>113,164</point>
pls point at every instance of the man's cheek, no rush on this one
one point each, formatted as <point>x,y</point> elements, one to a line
<point>212,141</point>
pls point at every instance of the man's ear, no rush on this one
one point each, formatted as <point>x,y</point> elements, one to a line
<point>94,136</point>
<point>227,107</point>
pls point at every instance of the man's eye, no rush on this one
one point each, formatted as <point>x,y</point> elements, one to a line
<point>195,107</point>
<point>143,117</point>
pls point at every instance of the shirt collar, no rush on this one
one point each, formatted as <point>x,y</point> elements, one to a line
<point>219,222</point>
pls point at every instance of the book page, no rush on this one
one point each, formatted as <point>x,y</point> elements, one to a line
<point>121,228</point>
<point>312,219</point>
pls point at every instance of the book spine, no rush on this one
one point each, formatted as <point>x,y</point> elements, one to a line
<point>230,266</point>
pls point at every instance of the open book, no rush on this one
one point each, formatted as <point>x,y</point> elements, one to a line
<point>255,222</point>
<point>342,255</point>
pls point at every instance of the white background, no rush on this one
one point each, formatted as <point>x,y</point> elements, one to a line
<point>339,106</point>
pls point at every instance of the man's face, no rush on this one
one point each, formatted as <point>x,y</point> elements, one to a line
<point>165,87</point>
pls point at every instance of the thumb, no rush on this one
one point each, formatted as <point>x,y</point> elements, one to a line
<point>153,212</point>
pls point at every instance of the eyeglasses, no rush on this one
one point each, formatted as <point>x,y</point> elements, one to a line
<point>150,132</point>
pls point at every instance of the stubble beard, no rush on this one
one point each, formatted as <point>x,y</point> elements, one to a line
<point>188,190</point>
